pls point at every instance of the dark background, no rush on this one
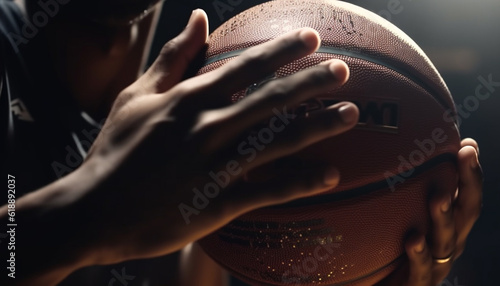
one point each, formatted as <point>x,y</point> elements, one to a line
<point>462,37</point>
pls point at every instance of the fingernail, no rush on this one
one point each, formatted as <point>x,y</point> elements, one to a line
<point>348,113</point>
<point>420,246</point>
<point>331,176</point>
<point>446,206</point>
<point>193,14</point>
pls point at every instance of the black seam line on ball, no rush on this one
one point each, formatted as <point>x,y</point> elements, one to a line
<point>273,225</point>
<point>352,54</point>
<point>370,188</point>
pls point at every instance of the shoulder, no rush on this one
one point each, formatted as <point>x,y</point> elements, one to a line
<point>11,26</point>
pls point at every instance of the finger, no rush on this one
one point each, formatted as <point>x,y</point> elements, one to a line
<point>288,92</point>
<point>304,132</point>
<point>471,142</point>
<point>251,66</point>
<point>443,227</point>
<point>285,187</point>
<point>420,262</point>
<point>276,99</point>
<point>279,140</point>
<point>469,201</point>
<point>176,55</point>
<point>260,61</point>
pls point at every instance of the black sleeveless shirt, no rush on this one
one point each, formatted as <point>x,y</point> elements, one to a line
<point>45,136</point>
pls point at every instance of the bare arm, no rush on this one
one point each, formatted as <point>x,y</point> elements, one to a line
<point>51,238</point>
<point>125,201</point>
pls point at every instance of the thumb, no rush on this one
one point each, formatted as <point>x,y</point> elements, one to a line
<point>176,55</point>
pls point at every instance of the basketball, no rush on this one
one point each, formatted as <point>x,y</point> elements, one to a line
<point>403,148</point>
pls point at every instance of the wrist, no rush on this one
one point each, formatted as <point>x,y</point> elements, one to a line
<point>54,234</point>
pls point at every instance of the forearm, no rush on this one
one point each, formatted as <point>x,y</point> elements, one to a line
<point>51,236</point>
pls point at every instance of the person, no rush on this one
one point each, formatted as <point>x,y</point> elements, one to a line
<point>101,154</point>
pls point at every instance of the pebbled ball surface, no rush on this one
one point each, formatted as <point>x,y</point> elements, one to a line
<point>401,152</point>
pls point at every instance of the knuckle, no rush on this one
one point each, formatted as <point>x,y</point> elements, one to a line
<point>170,48</point>
<point>168,54</point>
<point>279,90</point>
<point>177,103</point>
<point>124,97</point>
<point>320,75</point>
<point>275,93</point>
<point>207,132</point>
<point>254,58</point>
<point>257,57</point>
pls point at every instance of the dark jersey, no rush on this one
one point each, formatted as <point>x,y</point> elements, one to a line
<point>45,136</point>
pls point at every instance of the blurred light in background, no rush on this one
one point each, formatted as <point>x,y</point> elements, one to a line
<point>454,60</point>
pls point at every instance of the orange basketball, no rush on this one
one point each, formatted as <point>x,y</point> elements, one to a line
<point>404,147</point>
